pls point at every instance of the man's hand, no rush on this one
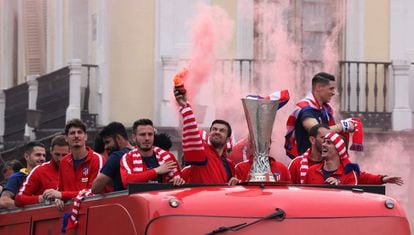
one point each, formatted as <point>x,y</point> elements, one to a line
<point>393,180</point>
<point>332,181</point>
<point>41,199</point>
<point>59,204</point>
<point>52,194</point>
<point>177,180</point>
<point>180,98</point>
<point>233,181</point>
<point>348,125</point>
<point>165,168</point>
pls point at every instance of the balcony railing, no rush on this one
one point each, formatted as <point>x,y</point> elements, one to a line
<point>364,92</point>
<point>363,87</point>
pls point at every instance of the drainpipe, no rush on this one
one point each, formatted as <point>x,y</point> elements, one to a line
<point>2,117</point>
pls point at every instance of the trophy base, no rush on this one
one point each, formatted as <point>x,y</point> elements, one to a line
<point>261,177</point>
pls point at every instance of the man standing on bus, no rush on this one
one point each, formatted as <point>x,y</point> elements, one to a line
<point>78,169</point>
<point>34,154</point>
<point>44,176</point>
<point>148,163</point>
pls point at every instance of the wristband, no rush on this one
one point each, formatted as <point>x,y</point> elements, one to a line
<point>345,125</point>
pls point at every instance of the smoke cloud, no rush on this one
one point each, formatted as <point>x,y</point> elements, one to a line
<point>279,64</point>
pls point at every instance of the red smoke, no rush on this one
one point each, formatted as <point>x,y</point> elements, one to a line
<point>211,32</point>
<point>279,64</point>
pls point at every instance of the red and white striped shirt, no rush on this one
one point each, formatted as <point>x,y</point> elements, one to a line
<point>206,165</point>
<point>299,167</point>
<point>134,170</point>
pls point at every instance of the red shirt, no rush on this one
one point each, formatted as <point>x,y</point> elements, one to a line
<point>315,175</point>
<point>42,177</point>
<point>185,173</point>
<point>206,164</point>
<point>211,170</point>
<point>295,168</point>
<point>71,181</point>
<point>279,170</point>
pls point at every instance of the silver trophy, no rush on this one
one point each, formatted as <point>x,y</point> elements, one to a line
<point>260,115</point>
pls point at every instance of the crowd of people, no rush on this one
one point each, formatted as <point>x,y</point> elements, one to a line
<point>314,141</point>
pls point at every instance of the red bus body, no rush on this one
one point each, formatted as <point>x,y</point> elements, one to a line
<point>200,210</point>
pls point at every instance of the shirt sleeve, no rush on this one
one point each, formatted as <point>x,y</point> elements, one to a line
<point>285,174</point>
<point>177,170</point>
<point>241,171</point>
<point>24,200</point>
<point>308,113</point>
<point>96,166</point>
<point>294,171</point>
<point>66,195</point>
<point>193,147</point>
<point>368,178</point>
<point>111,166</point>
<point>27,193</point>
<point>14,183</point>
<point>350,178</point>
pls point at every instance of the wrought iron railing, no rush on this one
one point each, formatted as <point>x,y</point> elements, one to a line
<point>363,86</point>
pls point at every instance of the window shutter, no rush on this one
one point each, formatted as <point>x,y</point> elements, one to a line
<point>35,36</point>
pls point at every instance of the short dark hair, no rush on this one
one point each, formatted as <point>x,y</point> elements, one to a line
<point>13,164</point>
<point>28,148</point>
<point>322,78</point>
<point>141,122</point>
<point>112,129</point>
<point>220,121</point>
<point>98,144</point>
<point>75,123</point>
<point>59,140</point>
<point>315,129</point>
<point>163,140</point>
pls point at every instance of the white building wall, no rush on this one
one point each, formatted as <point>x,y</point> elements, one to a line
<point>172,44</point>
<point>8,25</point>
<point>244,31</point>
<point>402,48</point>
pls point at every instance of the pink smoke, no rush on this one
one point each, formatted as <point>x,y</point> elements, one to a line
<point>390,154</point>
<point>211,32</point>
<point>279,64</point>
